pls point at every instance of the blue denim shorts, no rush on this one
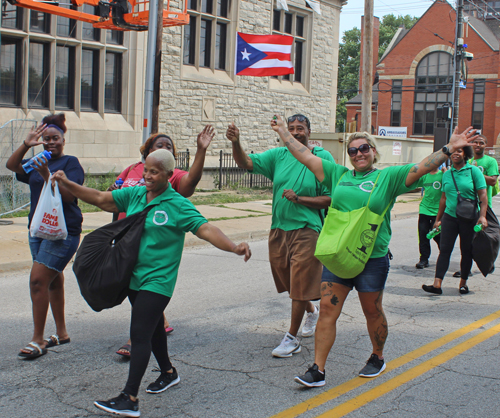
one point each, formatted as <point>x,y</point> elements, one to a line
<point>54,254</point>
<point>371,279</point>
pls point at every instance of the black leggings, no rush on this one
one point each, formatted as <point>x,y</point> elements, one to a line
<point>147,334</point>
<point>450,228</point>
<point>425,225</point>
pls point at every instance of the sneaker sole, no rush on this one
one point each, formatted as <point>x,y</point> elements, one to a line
<point>309,385</point>
<point>126,413</point>
<point>373,375</point>
<point>308,334</point>
<point>174,382</point>
<point>297,350</point>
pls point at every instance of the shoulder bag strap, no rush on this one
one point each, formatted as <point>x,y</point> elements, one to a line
<point>454,181</point>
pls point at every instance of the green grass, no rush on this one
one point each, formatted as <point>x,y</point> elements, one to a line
<point>225,218</point>
<point>222,198</point>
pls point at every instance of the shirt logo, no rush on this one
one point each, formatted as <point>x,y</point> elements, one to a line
<point>367,186</point>
<point>481,168</point>
<point>436,185</point>
<point>160,217</point>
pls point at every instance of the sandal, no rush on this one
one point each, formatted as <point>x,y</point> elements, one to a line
<point>34,351</point>
<point>464,289</point>
<point>54,340</point>
<point>168,330</point>
<point>124,350</point>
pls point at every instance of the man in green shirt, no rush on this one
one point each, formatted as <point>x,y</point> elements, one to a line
<point>427,212</point>
<point>488,165</point>
<point>297,218</point>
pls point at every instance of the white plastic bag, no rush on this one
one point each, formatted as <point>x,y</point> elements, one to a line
<point>48,220</point>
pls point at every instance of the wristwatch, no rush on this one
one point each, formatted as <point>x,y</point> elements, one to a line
<point>446,151</point>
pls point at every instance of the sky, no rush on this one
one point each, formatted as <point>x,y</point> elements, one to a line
<point>350,16</point>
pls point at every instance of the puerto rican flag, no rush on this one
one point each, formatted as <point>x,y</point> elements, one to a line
<point>263,55</point>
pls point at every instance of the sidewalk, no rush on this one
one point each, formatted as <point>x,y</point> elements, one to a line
<point>248,221</point>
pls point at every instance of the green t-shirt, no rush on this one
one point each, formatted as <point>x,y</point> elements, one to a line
<point>353,192</point>
<point>162,240</point>
<point>280,166</point>
<point>469,179</point>
<point>432,184</point>
<point>489,167</point>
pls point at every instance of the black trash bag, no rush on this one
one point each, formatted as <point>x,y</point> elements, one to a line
<point>486,243</point>
<point>106,259</point>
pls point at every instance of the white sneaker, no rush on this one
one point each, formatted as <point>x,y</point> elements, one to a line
<point>310,325</point>
<point>289,345</point>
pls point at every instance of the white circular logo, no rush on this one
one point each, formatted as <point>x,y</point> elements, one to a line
<point>367,186</point>
<point>436,185</point>
<point>481,168</point>
<point>160,217</point>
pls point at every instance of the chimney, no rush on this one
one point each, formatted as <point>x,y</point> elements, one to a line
<point>376,27</point>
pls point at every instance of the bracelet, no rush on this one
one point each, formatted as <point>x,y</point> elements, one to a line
<point>297,198</point>
<point>26,145</point>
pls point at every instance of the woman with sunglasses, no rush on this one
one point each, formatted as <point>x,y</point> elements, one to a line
<point>183,182</point>
<point>351,190</point>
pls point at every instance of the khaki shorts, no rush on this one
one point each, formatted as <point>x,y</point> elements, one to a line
<point>294,267</point>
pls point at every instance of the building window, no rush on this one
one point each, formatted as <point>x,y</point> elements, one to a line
<point>38,75</point>
<point>39,22</point>
<point>397,89</point>
<point>112,80</point>
<point>294,24</point>
<point>9,71</point>
<point>65,59</point>
<point>206,36</point>
<point>434,81</point>
<point>89,33</point>
<point>114,37</point>
<point>478,104</point>
<point>90,77</point>
<point>66,27</point>
<point>12,16</point>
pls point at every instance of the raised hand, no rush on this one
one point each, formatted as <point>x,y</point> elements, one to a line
<point>243,249</point>
<point>462,140</point>
<point>205,137</point>
<point>277,123</point>
<point>233,133</point>
<point>32,139</point>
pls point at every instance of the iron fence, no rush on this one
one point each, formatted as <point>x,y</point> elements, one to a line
<point>182,161</point>
<point>230,175</point>
<point>14,195</point>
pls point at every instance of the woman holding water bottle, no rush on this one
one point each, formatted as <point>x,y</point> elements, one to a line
<point>49,257</point>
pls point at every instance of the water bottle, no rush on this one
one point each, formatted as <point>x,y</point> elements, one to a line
<point>119,183</point>
<point>434,232</point>
<point>478,228</point>
<point>28,166</point>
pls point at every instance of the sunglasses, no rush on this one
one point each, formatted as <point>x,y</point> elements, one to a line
<point>353,151</point>
<point>300,118</point>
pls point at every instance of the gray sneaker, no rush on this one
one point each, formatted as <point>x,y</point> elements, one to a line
<point>310,324</point>
<point>374,366</point>
<point>313,378</point>
<point>289,345</point>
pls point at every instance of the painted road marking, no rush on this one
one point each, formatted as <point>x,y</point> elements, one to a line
<point>352,384</point>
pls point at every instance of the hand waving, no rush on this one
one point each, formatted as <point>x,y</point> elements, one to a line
<point>32,139</point>
<point>205,137</point>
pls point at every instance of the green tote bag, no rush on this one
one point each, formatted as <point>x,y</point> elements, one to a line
<point>346,240</point>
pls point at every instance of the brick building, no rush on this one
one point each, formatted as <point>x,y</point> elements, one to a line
<point>415,74</point>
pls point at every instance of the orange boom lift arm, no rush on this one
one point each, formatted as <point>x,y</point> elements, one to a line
<point>114,14</point>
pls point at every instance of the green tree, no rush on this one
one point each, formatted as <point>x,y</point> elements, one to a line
<point>349,59</point>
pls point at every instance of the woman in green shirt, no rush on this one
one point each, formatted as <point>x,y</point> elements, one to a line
<point>351,190</point>
<point>471,183</point>
<point>152,282</point>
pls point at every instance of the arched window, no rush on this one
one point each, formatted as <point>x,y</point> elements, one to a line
<point>433,87</point>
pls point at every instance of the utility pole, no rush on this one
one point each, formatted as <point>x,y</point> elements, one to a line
<point>156,92</point>
<point>150,69</point>
<point>367,79</point>
<point>457,75</point>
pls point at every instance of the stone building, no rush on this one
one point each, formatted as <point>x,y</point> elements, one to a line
<point>52,64</point>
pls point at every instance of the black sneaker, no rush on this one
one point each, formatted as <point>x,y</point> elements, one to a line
<point>422,264</point>
<point>374,366</point>
<point>164,382</point>
<point>121,405</point>
<point>458,274</point>
<point>313,378</point>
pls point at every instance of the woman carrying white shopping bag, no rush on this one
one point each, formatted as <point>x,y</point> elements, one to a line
<point>55,223</point>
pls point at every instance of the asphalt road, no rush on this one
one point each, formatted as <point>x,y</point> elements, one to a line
<point>442,351</point>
